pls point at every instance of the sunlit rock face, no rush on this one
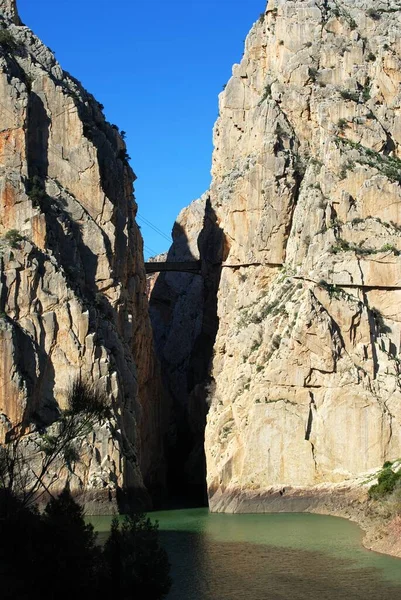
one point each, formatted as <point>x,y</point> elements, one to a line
<point>306,190</point>
<point>72,281</point>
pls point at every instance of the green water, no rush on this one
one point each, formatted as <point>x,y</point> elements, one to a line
<point>270,557</point>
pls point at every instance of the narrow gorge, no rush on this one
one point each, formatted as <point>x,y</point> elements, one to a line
<point>271,380</point>
<point>304,376</point>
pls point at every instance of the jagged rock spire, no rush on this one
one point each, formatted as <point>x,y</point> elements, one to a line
<point>8,9</point>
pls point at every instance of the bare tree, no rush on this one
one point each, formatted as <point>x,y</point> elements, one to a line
<point>26,461</point>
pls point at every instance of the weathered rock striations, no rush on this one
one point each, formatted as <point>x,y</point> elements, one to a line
<point>306,192</point>
<point>72,281</point>
<point>306,187</point>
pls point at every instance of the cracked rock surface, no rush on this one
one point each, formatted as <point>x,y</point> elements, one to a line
<point>306,182</point>
<point>306,191</point>
<point>72,281</point>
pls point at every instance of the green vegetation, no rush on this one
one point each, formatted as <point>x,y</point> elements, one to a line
<point>266,94</point>
<point>62,558</point>
<point>255,346</point>
<point>124,156</point>
<point>86,407</point>
<point>7,40</point>
<point>342,124</point>
<point>390,166</point>
<point>135,564</point>
<point>387,482</point>
<point>345,246</point>
<point>350,95</point>
<point>373,14</point>
<point>366,91</point>
<point>37,192</point>
<point>337,292</point>
<point>313,72</point>
<point>13,238</point>
<point>59,551</point>
<point>316,162</point>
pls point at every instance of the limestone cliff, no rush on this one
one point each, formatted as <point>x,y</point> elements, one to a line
<point>72,281</point>
<point>306,187</point>
<point>306,192</point>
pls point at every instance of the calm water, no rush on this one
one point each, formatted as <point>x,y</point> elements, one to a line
<point>271,557</point>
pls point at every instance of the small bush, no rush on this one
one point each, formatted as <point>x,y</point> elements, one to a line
<point>313,73</point>
<point>7,40</point>
<point>366,91</point>
<point>37,192</point>
<point>342,124</point>
<point>267,93</point>
<point>349,95</point>
<point>136,566</point>
<point>341,246</point>
<point>14,238</point>
<point>276,341</point>
<point>124,156</point>
<point>387,481</point>
<point>373,14</point>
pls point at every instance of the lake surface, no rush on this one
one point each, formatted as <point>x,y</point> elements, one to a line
<point>270,557</point>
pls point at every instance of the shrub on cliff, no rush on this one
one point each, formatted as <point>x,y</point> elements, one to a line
<point>58,447</point>
<point>7,40</point>
<point>386,483</point>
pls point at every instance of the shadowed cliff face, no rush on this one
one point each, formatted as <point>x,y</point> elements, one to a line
<point>183,309</point>
<point>72,281</point>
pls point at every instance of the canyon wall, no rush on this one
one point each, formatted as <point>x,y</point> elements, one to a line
<point>306,193</point>
<point>183,310</point>
<point>72,281</point>
<point>306,187</point>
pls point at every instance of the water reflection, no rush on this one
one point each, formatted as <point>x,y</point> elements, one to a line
<point>271,557</point>
<point>205,569</point>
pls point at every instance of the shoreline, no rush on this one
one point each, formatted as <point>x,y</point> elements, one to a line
<point>382,533</point>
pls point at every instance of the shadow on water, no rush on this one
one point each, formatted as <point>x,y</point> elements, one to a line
<point>286,556</point>
<point>206,569</point>
<point>185,322</point>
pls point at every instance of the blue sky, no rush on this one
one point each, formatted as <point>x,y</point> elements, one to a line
<point>158,68</point>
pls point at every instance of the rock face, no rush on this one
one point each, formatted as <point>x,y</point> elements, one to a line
<point>72,281</point>
<point>306,191</point>
<point>183,310</point>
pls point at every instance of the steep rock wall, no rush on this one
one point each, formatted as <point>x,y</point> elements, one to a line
<point>183,310</point>
<point>72,281</point>
<point>306,190</point>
